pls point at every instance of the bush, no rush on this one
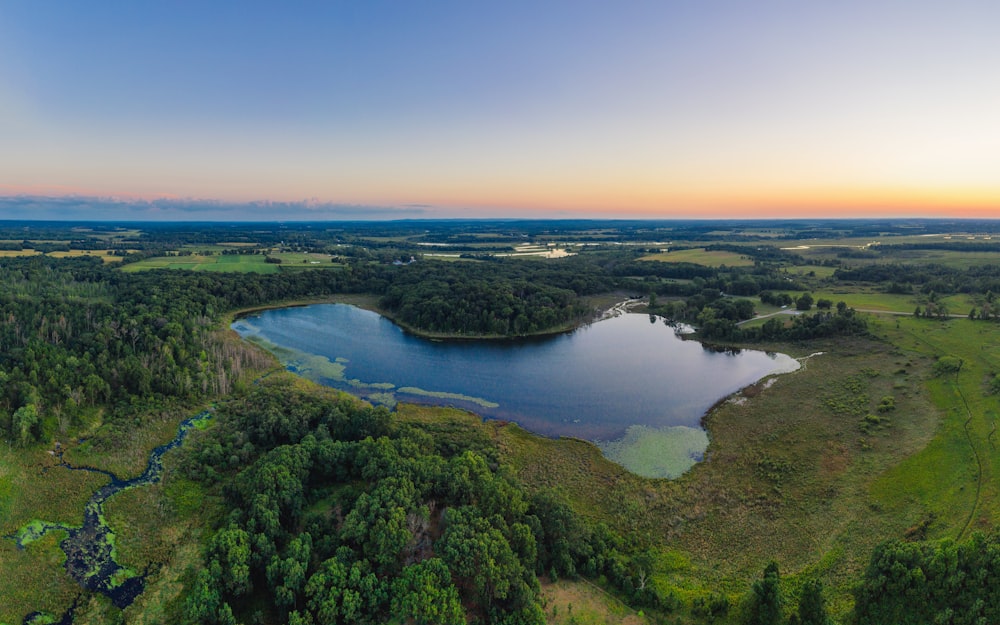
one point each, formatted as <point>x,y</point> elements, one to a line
<point>947,364</point>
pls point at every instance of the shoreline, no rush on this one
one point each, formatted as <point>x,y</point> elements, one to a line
<point>619,307</point>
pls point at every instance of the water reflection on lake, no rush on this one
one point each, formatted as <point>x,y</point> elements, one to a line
<point>593,383</point>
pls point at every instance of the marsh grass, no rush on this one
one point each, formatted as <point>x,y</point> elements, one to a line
<point>128,458</point>
<point>33,487</point>
<point>33,579</point>
<point>957,476</point>
<point>37,488</point>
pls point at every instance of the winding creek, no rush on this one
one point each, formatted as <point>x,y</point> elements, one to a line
<point>628,383</point>
<point>90,547</point>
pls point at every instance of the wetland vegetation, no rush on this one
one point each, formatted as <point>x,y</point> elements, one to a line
<point>868,476</point>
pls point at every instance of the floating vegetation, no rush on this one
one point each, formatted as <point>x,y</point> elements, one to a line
<point>479,401</point>
<point>386,399</point>
<point>322,370</point>
<point>658,452</point>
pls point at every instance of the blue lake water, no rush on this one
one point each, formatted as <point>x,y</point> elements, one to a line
<point>594,383</point>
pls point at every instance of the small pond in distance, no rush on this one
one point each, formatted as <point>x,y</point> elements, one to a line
<point>627,383</point>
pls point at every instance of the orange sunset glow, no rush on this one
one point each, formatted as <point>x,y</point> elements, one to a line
<point>668,110</point>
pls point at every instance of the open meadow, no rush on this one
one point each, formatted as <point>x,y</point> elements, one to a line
<point>701,256</point>
<point>239,263</point>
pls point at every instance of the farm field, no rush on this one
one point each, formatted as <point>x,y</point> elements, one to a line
<point>243,263</point>
<point>701,256</point>
<point>102,254</point>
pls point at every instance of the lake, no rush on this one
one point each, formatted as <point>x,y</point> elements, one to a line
<point>629,383</point>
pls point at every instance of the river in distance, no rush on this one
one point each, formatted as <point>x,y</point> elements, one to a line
<point>628,383</point>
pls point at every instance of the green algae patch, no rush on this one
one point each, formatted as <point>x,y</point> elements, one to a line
<point>658,452</point>
<point>34,531</point>
<point>412,390</point>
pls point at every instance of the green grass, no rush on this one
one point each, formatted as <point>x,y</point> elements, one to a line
<point>957,476</point>
<point>955,259</point>
<point>582,603</point>
<point>243,263</point>
<point>701,256</point>
<point>33,486</point>
<point>817,271</point>
<point>128,455</point>
<point>869,300</point>
<point>34,579</point>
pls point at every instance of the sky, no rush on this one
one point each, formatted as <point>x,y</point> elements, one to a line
<point>371,109</point>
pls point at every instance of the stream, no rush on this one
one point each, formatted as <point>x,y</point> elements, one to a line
<point>89,548</point>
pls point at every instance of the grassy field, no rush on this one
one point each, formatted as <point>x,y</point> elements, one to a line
<point>246,263</point>
<point>582,603</point>
<point>701,256</point>
<point>957,476</point>
<point>817,271</point>
<point>102,254</point>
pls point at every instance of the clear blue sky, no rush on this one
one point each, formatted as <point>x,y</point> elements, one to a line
<point>669,108</point>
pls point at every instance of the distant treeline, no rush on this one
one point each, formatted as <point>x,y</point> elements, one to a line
<point>926,279</point>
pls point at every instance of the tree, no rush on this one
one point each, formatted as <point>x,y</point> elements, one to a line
<point>804,302</point>
<point>477,551</point>
<point>424,593</point>
<point>231,550</point>
<point>287,576</point>
<point>24,422</point>
<point>812,604</point>
<point>765,600</point>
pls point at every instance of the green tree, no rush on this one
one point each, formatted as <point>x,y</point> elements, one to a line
<point>287,576</point>
<point>231,550</point>
<point>765,600</point>
<point>425,594</point>
<point>24,424</point>
<point>477,551</point>
<point>812,604</point>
